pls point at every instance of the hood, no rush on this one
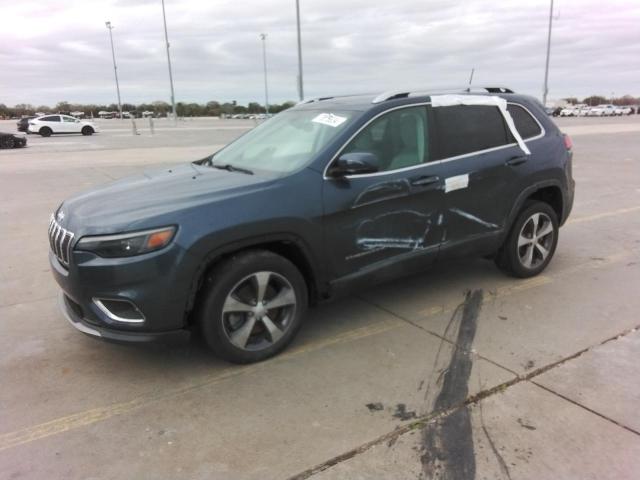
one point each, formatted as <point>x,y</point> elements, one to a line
<point>142,201</point>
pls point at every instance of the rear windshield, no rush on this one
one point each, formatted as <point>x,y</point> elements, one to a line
<point>286,142</point>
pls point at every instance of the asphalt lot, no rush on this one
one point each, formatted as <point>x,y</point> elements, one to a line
<point>540,382</point>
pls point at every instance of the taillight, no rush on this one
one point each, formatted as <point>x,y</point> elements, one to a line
<point>567,141</point>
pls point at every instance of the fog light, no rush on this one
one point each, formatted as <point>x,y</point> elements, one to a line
<point>119,310</point>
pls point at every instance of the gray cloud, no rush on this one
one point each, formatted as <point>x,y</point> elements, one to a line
<point>62,52</point>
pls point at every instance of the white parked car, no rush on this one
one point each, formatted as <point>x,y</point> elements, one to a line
<point>570,111</point>
<point>623,110</point>
<point>605,110</point>
<point>54,124</point>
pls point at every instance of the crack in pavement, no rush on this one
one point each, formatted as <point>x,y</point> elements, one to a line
<point>448,442</point>
<point>472,400</point>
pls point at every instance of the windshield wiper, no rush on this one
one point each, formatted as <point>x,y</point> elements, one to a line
<point>230,168</point>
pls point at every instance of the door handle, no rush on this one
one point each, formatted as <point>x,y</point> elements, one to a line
<point>424,180</point>
<point>515,161</point>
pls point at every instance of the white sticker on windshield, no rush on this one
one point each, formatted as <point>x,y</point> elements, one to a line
<point>329,119</point>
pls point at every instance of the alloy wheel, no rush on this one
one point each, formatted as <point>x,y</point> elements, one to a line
<point>258,310</point>
<point>535,240</point>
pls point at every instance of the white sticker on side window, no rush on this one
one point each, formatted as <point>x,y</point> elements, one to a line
<point>329,119</point>
<point>456,183</point>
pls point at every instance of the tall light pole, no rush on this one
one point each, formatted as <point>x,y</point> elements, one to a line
<point>263,36</point>
<point>166,39</point>
<point>300,83</point>
<point>115,67</point>
<point>546,69</point>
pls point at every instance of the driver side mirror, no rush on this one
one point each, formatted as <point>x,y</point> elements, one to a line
<point>355,163</point>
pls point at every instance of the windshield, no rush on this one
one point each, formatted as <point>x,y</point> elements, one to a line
<point>286,142</point>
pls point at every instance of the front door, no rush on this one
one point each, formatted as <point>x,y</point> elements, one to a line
<point>386,222</point>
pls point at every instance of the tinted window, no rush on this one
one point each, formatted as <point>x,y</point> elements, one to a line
<point>52,118</point>
<point>461,129</point>
<point>397,138</point>
<point>69,119</point>
<point>524,122</point>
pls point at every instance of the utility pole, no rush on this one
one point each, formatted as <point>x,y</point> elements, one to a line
<point>263,36</point>
<point>166,38</point>
<point>471,79</point>
<point>300,83</point>
<point>115,67</point>
<point>546,69</point>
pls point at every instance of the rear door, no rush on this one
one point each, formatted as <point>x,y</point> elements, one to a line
<point>480,163</point>
<point>51,121</point>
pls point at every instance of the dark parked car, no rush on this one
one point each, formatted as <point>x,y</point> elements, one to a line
<point>331,195</point>
<point>11,140</point>
<point>23,124</point>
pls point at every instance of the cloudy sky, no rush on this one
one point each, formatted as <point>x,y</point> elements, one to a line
<point>59,49</point>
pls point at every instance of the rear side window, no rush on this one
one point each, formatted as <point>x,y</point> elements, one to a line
<point>526,125</point>
<point>52,118</point>
<point>462,129</point>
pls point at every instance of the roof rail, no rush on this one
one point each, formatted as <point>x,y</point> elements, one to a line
<point>393,94</point>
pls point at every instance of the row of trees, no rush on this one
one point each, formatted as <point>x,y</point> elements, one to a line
<point>598,100</point>
<point>212,109</point>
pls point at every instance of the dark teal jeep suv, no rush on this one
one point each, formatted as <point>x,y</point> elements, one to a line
<point>331,195</point>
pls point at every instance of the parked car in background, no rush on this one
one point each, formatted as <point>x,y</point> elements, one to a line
<point>569,111</point>
<point>23,124</point>
<point>623,110</point>
<point>55,124</point>
<point>327,197</point>
<point>12,140</point>
<point>604,110</point>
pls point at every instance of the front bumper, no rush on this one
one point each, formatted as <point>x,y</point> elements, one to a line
<point>81,324</point>
<point>151,282</point>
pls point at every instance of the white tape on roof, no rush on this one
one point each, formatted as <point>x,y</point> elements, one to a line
<point>501,103</point>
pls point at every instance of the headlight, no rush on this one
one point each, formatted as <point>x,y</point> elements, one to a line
<point>127,244</point>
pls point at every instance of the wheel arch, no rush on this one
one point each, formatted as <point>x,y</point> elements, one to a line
<point>289,246</point>
<point>549,191</point>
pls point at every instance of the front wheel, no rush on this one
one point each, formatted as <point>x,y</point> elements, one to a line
<point>45,131</point>
<point>87,130</point>
<point>7,142</point>
<point>532,241</point>
<point>252,306</point>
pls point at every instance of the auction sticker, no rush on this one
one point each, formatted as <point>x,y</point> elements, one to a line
<point>329,119</point>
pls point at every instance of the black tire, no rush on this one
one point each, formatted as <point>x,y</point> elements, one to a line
<point>7,142</point>
<point>510,256</point>
<point>237,273</point>
<point>87,130</point>
<point>45,132</point>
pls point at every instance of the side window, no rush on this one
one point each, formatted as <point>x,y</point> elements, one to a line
<point>68,119</point>
<point>462,129</point>
<point>52,118</point>
<point>397,138</point>
<point>526,125</point>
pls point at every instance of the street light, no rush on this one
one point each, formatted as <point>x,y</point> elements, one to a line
<point>546,69</point>
<point>166,39</point>
<point>300,84</point>
<point>115,68</point>
<point>263,36</point>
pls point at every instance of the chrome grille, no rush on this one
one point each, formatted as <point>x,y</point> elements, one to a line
<point>60,241</point>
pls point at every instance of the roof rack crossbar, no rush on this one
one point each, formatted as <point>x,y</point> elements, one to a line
<point>394,94</point>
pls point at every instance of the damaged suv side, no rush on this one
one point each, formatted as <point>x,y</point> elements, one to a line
<point>331,195</point>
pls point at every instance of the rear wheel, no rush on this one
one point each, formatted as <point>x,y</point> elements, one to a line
<point>530,245</point>
<point>7,142</point>
<point>45,132</point>
<point>87,130</point>
<point>253,306</point>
